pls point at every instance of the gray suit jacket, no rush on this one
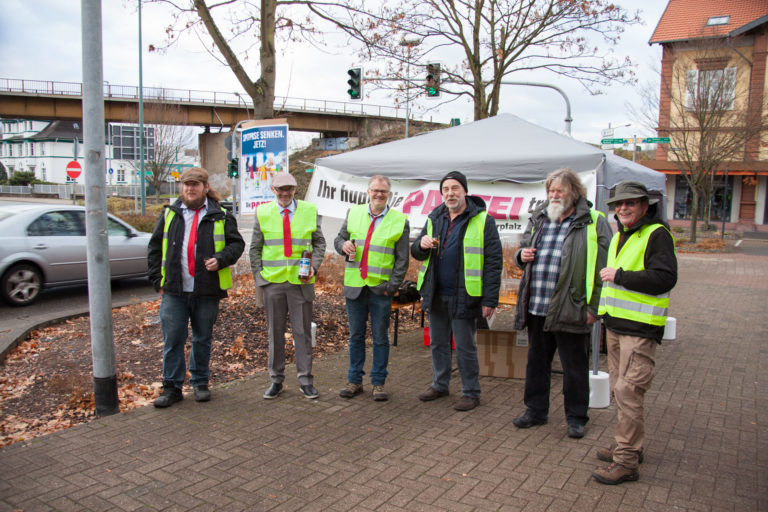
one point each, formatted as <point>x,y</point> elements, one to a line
<point>257,244</point>
<point>398,272</point>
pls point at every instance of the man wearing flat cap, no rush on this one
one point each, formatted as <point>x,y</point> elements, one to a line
<point>281,231</point>
<point>640,273</point>
<point>459,283</point>
<point>193,245</point>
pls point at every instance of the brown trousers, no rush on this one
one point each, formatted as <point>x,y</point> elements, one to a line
<point>631,363</point>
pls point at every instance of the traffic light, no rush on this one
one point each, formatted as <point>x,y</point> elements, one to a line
<point>355,82</point>
<point>433,80</point>
<point>233,170</point>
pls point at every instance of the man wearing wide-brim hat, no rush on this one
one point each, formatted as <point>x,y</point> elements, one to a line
<point>640,273</point>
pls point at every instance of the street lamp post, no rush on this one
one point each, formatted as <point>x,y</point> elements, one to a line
<point>408,44</point>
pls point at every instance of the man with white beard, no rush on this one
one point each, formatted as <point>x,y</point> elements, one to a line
<point>562,249</point>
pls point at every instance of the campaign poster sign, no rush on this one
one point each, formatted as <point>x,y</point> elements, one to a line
<point>264,152</point>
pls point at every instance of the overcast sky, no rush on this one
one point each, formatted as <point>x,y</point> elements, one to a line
<point>41,40</point>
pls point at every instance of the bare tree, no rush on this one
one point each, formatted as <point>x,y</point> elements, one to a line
<point>172,136</point>
<point>492,40</point>
<point>711,117</point>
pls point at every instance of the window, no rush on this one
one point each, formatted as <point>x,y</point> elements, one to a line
<point>718,20</point>
<point>121,175</point>
<point>710,89</point>
<point>31,149</point>
<point>114,228</point>
<point>62,223</point>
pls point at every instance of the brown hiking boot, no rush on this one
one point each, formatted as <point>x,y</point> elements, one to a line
<point>606,454</point>
<point>466,403</point>
<point>379,394</point>
<point>432,394</point>
<point>615,474</point>
<point>351,390</point>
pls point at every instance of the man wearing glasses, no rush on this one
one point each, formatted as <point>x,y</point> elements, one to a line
<point>374,238</point>
<point>281,230</point>
<point>640,273</point>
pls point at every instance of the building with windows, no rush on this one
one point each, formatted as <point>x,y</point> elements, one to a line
<point>713,98</point>
<point>46,147</point>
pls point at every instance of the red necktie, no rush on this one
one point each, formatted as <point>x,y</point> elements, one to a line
<point>191,244</point>
<point>287,245</point>
<point>364,258</point>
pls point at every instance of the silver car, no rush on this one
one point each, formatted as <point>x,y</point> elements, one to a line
<point>44,245</point>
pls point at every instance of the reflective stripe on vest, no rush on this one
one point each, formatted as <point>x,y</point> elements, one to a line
<point>474,255</point>
<point>381,249</point>
<point>592,252</point>
<point>219,241</point>
<point>276,267</point>
<point>618,301</point>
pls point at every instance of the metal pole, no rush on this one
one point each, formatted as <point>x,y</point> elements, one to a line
<point>141,123</point>
<point>634,145</point>
<point>99,292</point>
<point>568,118</point>
<point>725,200</point>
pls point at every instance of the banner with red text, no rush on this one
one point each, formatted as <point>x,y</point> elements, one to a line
<point>509,203</point>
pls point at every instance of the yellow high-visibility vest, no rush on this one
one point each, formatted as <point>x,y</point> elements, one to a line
<point>618,301</point>
<point>276,267</point>
<point>225,274</point>
<point>381,249</point>
<point>474,255</point>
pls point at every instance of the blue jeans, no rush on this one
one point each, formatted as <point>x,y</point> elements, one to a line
<point>380,308</point>
<point>176,313</point>
<point>441,327</point>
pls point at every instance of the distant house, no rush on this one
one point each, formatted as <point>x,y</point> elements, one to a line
<point>706,43</point>
<point>45,148</point>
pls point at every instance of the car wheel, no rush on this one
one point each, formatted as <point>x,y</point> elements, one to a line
<point>21,284</point>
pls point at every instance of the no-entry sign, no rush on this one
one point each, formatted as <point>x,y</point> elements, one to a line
<point>74,169</point>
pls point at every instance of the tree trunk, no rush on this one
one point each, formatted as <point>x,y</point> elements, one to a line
<point>254,89</point>
<point>694,212</point>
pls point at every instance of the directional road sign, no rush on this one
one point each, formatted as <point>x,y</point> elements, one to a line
<point>614,141</point>
<point>656,140</point>
<point>74,169</point>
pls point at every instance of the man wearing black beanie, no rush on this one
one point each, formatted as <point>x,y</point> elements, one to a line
<point>459,283</point>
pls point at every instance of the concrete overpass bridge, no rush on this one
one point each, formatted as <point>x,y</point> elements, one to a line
<point>47,100</point>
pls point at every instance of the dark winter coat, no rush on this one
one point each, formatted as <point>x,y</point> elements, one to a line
<point>466,305</point>
<point>206,282</point>
<point>568,306</point>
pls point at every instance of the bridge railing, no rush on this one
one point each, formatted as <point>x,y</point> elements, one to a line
<point>44,87</point>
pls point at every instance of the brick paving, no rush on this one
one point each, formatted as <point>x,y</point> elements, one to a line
<point>707,417</point>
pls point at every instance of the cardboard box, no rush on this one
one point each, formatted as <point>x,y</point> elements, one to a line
<point>501,354</point>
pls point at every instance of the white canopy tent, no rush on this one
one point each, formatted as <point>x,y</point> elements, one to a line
<point>505,159</point>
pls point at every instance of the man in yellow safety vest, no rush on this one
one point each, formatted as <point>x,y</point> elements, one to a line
<point>459,283</point>
<point>374,238</point>
<point>640,273</point>
<point>193,245</point>
<point>281,231</point>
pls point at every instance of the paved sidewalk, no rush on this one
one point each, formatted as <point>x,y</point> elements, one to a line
<point>707,423</point>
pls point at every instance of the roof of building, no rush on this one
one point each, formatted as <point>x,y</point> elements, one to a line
<point>687,19</point>
<point>61,130</point>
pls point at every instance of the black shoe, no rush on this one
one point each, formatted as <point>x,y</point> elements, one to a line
<point>432,394</point>
<point>275,389</point>
<point>202,393</point>
<point>171,395</point>
<point>575,430</point>
<point>528,420</point>
<point>309,391</point>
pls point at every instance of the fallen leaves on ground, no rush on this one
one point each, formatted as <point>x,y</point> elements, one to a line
<point>46,382</point>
